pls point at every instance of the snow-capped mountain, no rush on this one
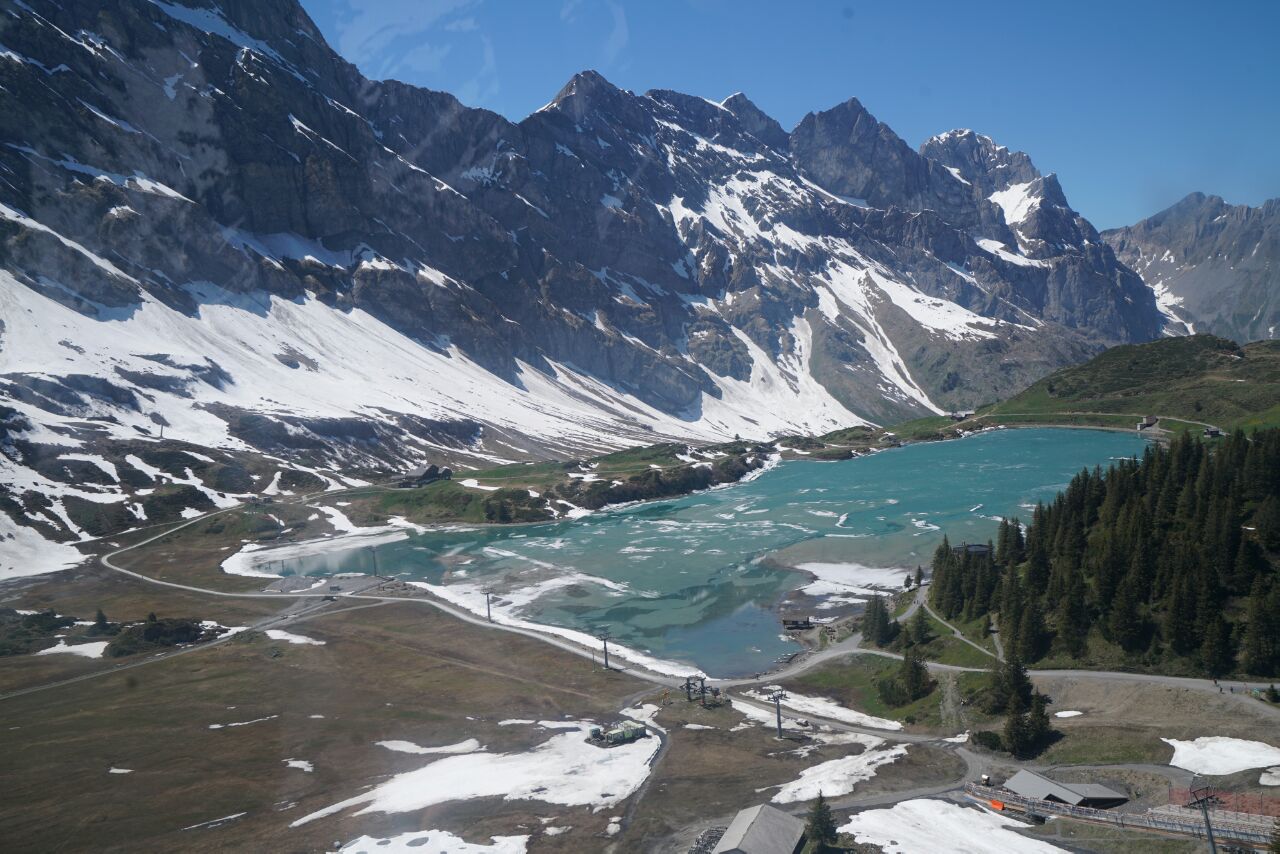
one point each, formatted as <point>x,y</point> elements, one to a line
<point>213,225</point>
<point>1215,267</point>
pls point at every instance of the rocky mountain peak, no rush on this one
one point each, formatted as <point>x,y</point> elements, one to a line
<point>980,160</point>
<point>1211,264</point>
<point>588,91</point>
<point>849,152</point>
<point>756,122</point>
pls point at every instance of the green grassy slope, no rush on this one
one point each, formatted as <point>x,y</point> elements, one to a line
<point>1186,381</point>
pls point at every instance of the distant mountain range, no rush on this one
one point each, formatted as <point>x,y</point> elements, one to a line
<point>214,227</point>
<point>1213,266</point>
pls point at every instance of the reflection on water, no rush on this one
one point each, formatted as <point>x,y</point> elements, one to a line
<point>698,579</point>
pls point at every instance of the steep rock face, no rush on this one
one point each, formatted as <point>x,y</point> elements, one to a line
<point>211,223</point>
<point>1213,266</point>
<point>1068,273</point>
<point>850,153</point>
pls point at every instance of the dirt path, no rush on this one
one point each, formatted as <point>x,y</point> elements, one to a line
<point>956,632</point>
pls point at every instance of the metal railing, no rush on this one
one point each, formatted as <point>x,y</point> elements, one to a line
<point>1166,822</point>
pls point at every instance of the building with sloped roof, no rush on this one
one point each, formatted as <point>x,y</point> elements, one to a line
<point>762,830</point>
<point>1032,785</point>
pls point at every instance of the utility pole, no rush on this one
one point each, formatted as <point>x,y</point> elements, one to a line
<point>777,697</point>
<point>1203,797</point>
<point>702,680</point>
<point>373,551</point>
<point>688,688</point>
<point>488,610</point>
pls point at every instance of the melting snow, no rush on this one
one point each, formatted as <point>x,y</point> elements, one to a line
<point>839,776</point>
<point>431,841</point>
<point>1218,755</point>
<point>88,650</point>
<point>940,827</point>
<point>290,637</point>
<point>1016,202</point>
<point>468,746</point>
<point>823,708</point>
<point>565,769</point>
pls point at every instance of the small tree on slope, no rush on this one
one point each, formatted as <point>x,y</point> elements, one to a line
<point>820,828</point>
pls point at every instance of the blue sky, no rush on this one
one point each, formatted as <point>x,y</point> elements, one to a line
<point>1133,103</point>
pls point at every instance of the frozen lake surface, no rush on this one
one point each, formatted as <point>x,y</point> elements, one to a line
<point>698,580</point>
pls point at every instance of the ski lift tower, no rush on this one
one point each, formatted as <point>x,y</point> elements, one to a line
<point>777,697</point>
<point>1204,797</point>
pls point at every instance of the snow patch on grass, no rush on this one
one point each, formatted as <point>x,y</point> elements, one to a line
<point>431,841</point>
<point>838,776</point>
<point>824,708</point>
<point>468,746</point>
<point>940,827</point>
<point>88,650</point>
<point>1217,755</point>
<point>290,637</point>
<point>565,769</point>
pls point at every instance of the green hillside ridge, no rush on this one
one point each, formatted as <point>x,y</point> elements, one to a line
<point>1188,383</point>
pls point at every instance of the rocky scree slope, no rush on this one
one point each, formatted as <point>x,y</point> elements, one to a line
<point>213,226</point>
<point>1214,267</point>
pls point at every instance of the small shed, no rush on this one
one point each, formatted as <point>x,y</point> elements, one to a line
<point>1147,422</point>
<point>1212,433</point>
<point>762,830</point>
<point>975,549</point>
<point>423,475</point>
<point>1029,784</point>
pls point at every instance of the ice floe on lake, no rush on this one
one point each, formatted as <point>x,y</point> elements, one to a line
<point>846,578</point>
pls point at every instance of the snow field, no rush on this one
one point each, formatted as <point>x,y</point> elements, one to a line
<point>94,649</point>
<point>431,841</point>
<point>940,827</point>
<point>823,708</point>
<point>1217,755</point>
<point>565,769</point>
<point>838,776</point>
<point>290,637</point>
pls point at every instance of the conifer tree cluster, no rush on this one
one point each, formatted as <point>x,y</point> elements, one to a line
<point>1172,558</point>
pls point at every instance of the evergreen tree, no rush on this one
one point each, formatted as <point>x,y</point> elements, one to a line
<point>1015,735</point>
<point>875,621</point>
<point>1215,649</point>
<point>1124,626</point>
<point>1031,633</point>
<point>1073,618</point>
<point>919,575</point>
<point>820,826</point>
<point>100,624</point>
<point>919,628</point>
<point>1038,727</point>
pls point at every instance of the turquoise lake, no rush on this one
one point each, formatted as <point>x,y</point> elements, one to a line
<point>699,580</point>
